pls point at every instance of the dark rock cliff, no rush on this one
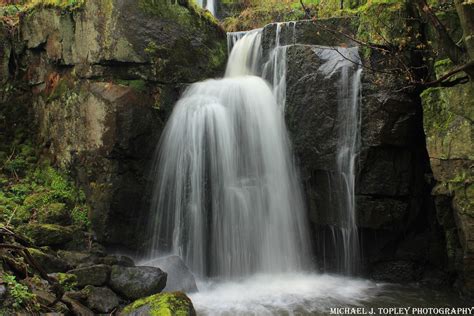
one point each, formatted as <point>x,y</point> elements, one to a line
<point>103,79</point>
<point>395,214</point>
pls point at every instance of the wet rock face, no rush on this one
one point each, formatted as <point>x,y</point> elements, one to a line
<point>104,79</point>
<point>135,282</point>
<point>391,193</point>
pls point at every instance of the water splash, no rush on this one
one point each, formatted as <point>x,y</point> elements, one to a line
<point>282,294</point>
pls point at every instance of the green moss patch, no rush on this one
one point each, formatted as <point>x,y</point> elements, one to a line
<point>163,304</point>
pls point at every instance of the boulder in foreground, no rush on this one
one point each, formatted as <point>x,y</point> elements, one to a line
<point>176,303</point>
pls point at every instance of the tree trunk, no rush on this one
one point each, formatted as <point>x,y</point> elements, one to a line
<point>454,52</point>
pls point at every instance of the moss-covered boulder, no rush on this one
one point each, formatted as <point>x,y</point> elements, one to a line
<point>164,304</point>
<point>96,275</point>
<point>47,234</point>
<point>54,213</point>
<point>49,262</point>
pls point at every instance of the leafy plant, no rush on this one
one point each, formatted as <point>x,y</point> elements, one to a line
<point>18,292</point>
<point>67,281</point>
<point>80,216</point>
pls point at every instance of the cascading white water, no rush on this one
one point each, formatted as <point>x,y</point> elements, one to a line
<point>227,197</point>
<point>275,68</point>
<point>245,57</point>
<point>345,62</point>
<point>208,5</point>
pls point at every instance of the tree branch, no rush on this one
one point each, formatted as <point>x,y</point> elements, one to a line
<point>307,12</point>
<point>441,81</point>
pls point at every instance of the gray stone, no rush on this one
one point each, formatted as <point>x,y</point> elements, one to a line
<point>100,299</point>
<point>180,278</point>
<point>118,260</point>
<point>77,258</point>
<point>76,307</point>
<point>135,282</point>
<point>96,275</point>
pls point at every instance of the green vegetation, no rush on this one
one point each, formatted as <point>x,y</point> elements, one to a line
<point>19,293</point>
<point>257,13</point>
<point>163,304</point>
<point>176,12</point>
<point>37,192</point>
<point>67,281</point>
<point>138,85</point>
<point>31,189</point>
<point>63,4</point>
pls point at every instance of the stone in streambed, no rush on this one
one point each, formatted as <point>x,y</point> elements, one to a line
<point>180,278</point>
<point>100,299</point>
<point>78,259</point>
<point>47,234</point>
<point>176,303</point>
<point>96,275</point>
<point>135,282</point>
<point>119,260</point>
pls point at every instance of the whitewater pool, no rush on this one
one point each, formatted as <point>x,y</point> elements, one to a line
<point>320,294</point>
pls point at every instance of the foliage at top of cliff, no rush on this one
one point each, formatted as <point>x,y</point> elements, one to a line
<point>253,14</point>
<point>62,4</point>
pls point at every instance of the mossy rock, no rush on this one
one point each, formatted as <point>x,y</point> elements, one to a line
<point>47,234</point>
<point>67,281</point>
<point>54,213</point>
<point>164,304</point>
<point>49,262</point>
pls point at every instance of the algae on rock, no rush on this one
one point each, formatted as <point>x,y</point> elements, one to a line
<point>163,304</point>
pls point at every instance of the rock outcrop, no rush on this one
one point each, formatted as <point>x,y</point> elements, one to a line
<point>103,79</point>
<point>392,196</point>
<point>448,123</point>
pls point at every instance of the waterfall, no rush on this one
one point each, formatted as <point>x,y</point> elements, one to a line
<point>245,57</point>
<point>227,196</point>
<point>345,62</point>
<point>273,67</point>
<point>208,5</point>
